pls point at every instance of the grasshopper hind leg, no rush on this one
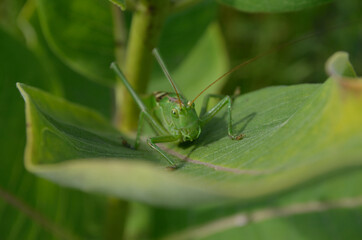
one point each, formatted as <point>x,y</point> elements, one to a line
<point>207,116</point>
<point>145,114</point>
<point>230,124</point>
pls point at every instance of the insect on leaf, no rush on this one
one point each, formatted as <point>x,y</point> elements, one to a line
<point>293,134</point>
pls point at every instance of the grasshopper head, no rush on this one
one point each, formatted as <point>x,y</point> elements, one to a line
<point>186,121</point>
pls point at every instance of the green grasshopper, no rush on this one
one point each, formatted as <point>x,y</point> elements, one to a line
<point>172,117</point>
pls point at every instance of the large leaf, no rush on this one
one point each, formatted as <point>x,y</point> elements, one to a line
<point>195,54</point>
<point>206,61</point>
<point>273,5</point>
<point>71,34</point>
<point>309,202</point>
<point>16,62</point>
<point>183,30</point>
<point>34,208</point>
<point>296,222</point>
<point>293,134</point>
<point>81,33</point>
<point>75,87</point>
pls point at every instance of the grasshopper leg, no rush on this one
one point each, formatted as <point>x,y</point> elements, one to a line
<point>162,139</point>
<point>207,116</point>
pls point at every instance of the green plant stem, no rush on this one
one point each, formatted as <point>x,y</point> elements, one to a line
<point>146,26</point>
<point>120,34</point>
<point>117,209</point>
<point>116,219</point>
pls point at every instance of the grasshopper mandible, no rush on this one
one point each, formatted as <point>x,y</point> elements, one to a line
<point>172,116</point>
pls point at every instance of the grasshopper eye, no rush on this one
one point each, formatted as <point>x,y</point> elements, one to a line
<point>174,112</point>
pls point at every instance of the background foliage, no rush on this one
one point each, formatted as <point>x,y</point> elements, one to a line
<point>65,48</point>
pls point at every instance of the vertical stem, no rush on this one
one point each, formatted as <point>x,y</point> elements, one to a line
<point>116,219</point>
<point>120,34</point>
<point>146,26</point>
<point>117,209</point>
<point>145,30</point>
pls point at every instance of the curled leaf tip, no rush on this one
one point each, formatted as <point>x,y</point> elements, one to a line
<point>21,86</point>
<point>339,67</point>
<point>18,85</point>
<point>120,3</point>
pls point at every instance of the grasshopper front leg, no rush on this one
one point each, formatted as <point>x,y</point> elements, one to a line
<point>207,116</point>
<point>162,139</point>
<point>159,129</point>
<point>153,140</point>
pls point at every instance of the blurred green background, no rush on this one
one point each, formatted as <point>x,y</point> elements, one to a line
<point>29,54</point>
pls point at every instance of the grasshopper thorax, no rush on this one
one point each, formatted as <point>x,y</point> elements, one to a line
<point>180,118</point>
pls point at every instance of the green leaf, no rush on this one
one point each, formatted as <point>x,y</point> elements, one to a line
<point>273,5</point>
<point>16,62</point>
<point>285,223</point>
<point>38,203</point>
<point>119,3</point>
<point>293,134</point>
<point>180,33</point>
<point>206,61</point>
<point>71,34</point>
<point>191,51</point>
<point>81,34</point>
<point>339,66</point>
<point>75,87</point>
<point>311,202</point>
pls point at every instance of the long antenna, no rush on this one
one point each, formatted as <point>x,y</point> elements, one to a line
<point>275,49</point>
<point>167,74</point>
